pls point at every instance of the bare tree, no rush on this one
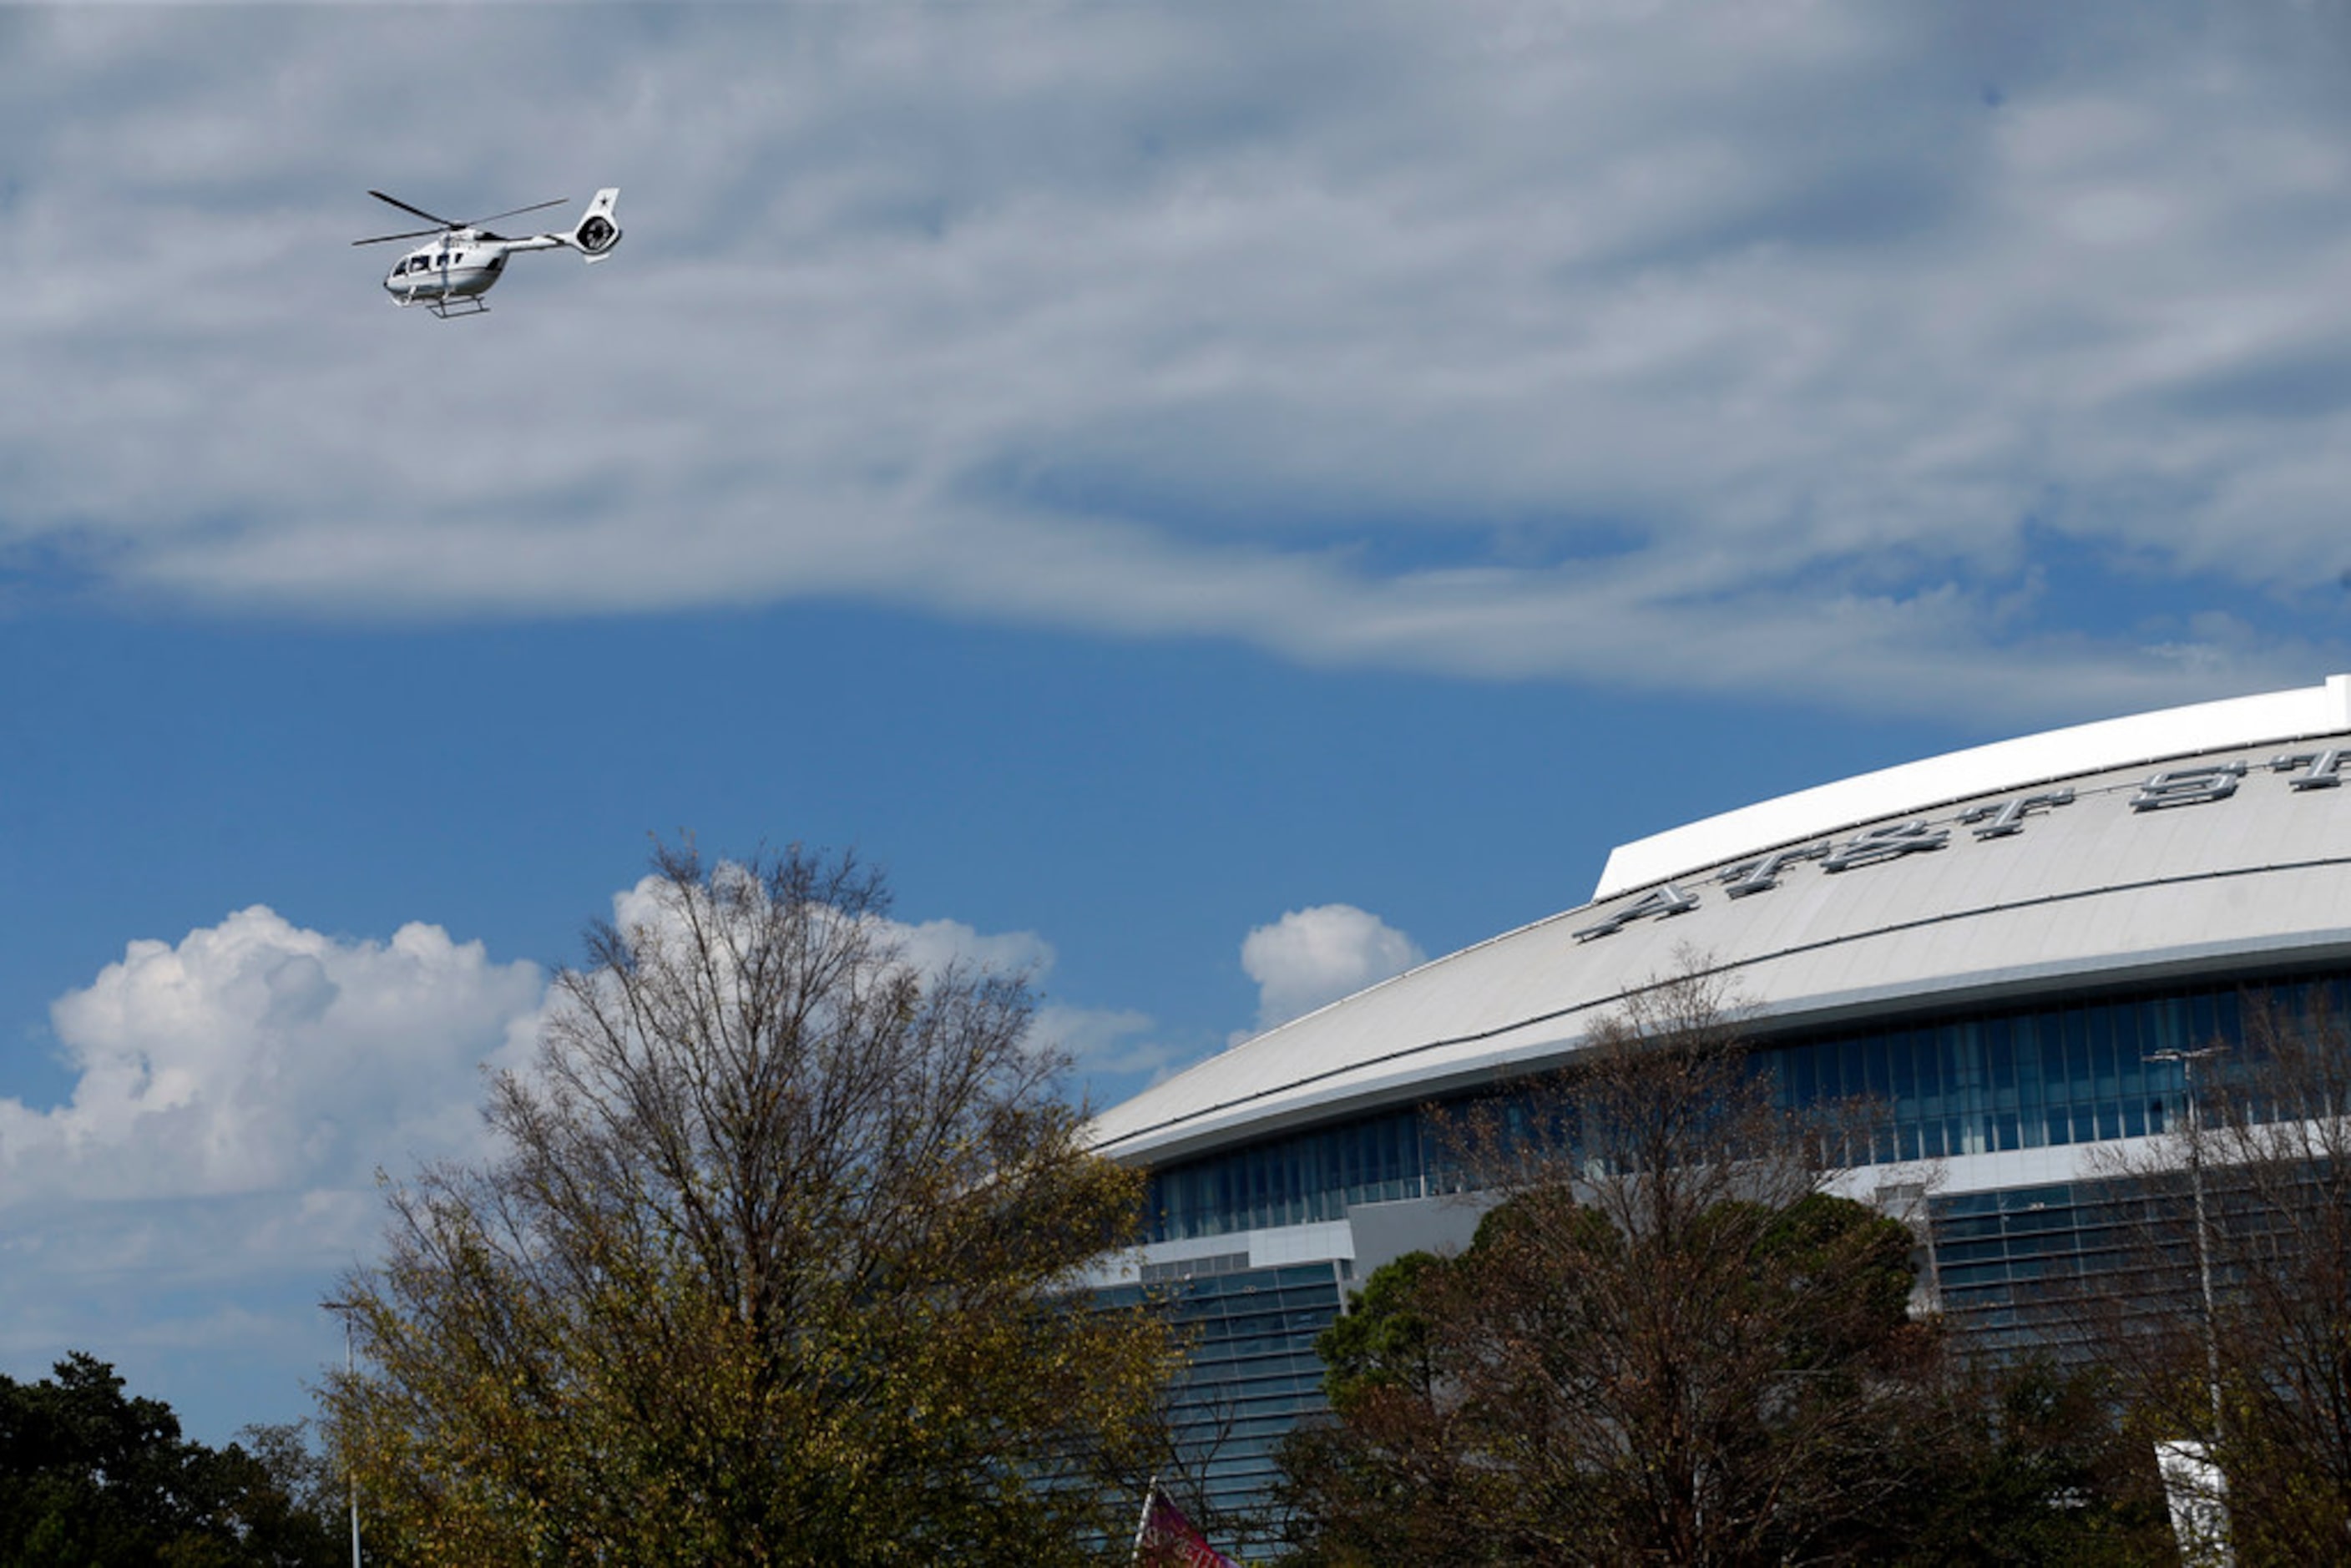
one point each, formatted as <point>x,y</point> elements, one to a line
<point>2231,1324</point>
<point>775,1265</point>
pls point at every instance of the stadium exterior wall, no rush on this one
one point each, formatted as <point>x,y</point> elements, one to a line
<point>1993,943</point>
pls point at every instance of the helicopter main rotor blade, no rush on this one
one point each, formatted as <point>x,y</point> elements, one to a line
<point>420,211</point>
<point>412,234</point>
<point>494,218</point>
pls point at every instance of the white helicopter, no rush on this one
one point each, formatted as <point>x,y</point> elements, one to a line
<point>449,276</point>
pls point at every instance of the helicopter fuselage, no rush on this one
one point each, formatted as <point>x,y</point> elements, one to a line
<point>460,266</point>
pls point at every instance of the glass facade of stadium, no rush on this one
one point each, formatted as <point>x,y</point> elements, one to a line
<point>1999,952</point>
<point>2078,1070</point>
<point>2074,1070</point>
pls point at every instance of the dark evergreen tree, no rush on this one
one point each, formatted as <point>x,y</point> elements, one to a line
<point>90,1474</point>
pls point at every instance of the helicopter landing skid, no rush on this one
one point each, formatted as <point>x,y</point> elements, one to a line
<point>459,304</point>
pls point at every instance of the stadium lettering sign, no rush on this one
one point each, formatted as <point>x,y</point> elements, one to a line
<point>2005,819</point>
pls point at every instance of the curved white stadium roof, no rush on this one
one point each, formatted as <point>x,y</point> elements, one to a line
<point>2169,842</point>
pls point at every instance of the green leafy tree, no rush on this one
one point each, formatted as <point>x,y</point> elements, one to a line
<point>1397,1476</point>
<point>1667,1343</point>
<point>1671,1342</point>
<point>299,1497</point>
<point>90,1475</point>
<point>2040,1467</point>
<point>1383,1341</point>
<point>775,1265</point>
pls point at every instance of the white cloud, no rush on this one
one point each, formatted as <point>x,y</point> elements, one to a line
<point>213,1166</point>
<point>1113,1051</point>
<point>1767,352</point>
<point>932,945</point>
<point>1311,957</point>
<point>238,1091</point>
<point>256,1056</point>
<point>236,1094</point>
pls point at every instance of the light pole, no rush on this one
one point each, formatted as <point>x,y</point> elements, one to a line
<point>2188,1060</point>
<point>351,1465</point>
<point>2216,1551</point>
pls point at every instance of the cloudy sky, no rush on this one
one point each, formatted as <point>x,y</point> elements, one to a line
<point>1222,500</point>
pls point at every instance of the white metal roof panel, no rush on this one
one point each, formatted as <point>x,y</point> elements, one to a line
<point>2003,765</point>
<point>2092,887</point>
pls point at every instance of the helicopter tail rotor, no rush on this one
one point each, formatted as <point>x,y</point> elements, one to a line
<point>595,234</point>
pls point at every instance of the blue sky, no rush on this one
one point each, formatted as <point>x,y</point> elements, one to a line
<point>1219,500</point>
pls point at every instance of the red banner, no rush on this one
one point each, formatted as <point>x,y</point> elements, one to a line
<point>1168,1540</point>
